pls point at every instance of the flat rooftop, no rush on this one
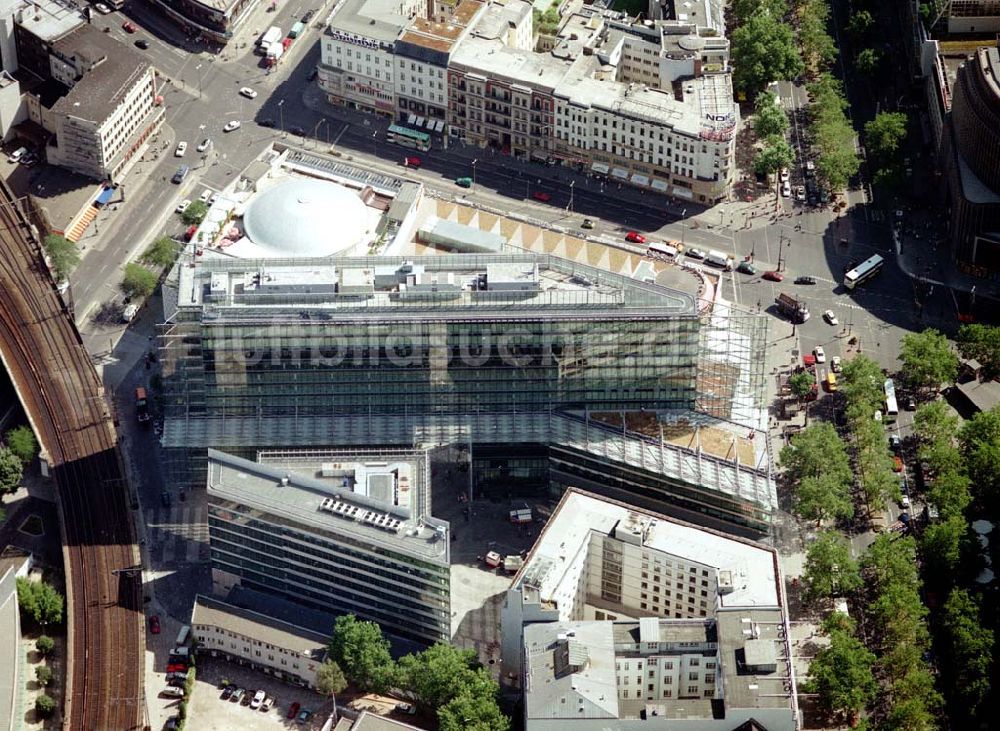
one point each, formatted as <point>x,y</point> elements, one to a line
<point>217,613</point>
<point>49,19</point>
<point>379,509</point>
<point>436,287</point>
<point>379,20</point>
<point>753,567</point>
<point>442,36</point>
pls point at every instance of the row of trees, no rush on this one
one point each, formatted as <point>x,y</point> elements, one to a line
<point>831,130</point>
<point>863,383</point>
<point>442,678</point>
<point>763,46</point>
<point>45,705</point>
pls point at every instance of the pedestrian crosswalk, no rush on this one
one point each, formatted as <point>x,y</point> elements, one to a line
<point>176,535</point>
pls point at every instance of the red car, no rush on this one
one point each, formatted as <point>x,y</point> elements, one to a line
<point>293,709</point>
<point>773,276</point>
<point>177,668</point>
<point>412,162</point>
<point>897,463</point>
<point>154,624</point>
<point>129,27</point>
<point>635,237</point>
<point>541,195</point>
<point>809,360</point>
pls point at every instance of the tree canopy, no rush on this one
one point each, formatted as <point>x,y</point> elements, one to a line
<point>21,441</point>
<point>969,649</point>
<point>816,451</point>
<point>928,360</point>
<point>40,602</point>
<point>63,255</point>
<point>194,213</point>
<point>841,674</point>
<point>801,384</point>
<point>330,678</point>
<point>763,50</point>
<point>469,713</point>
<point>775,154</point>
<point>829,568</point>
<point>832,131</point>
<point>769,117</point>
<point>362,652</point>
<point>11,471</point>
<point>981,343</point>
<point>885,133</point>
<point>980,440</point>
<point>161,253</point>
<point>862,381</point>
<point>138,282</point>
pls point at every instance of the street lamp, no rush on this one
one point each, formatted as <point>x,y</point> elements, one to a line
<point>474,174</point>
<point>281,114</point>
<point>572,184</point>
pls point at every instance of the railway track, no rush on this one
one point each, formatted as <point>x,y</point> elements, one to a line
<point>63,397</point>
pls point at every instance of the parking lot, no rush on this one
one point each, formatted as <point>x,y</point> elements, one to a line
<point>208,712</point>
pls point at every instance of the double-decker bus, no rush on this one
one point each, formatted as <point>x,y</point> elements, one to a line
<point>864,271</point>
<point>406,137</point>
<point>891,409</point>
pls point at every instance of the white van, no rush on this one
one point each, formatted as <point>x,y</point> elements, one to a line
<point>129,312</point>
<point>17,154</point>
<point>718,259</point>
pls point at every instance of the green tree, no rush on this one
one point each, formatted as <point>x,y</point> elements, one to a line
<point>194,213</point>
<point>942,546</point>
<point>161,252</point>
<point>775,154</point>
<point>471,713</point>
<point>43,674</point>
<point>928,360</point>
<point>815,452</point>
<point>969,649</point>
<point>860,23</point>
<point>868,60</point>
<point>890,559</point>
<point>981,343</point>
<point>45,706</point>
<point>829,568</point>
<point>769,119</point>
<point>934,423</point>
<point>11,471</point>
<point>138,282</point>
<point>861,383</point>
<point>44,644</point>
<point>823,498</point>
<point>885,133</point>
<point>63,255</point>
<point>838,162</point>
<point>330,678</point>
<point>980,440</point>
<point>801,384</point>
<point>950,493</point>
<point>911,714</point>
<point>763,50</point>
<point>40,602</point>
<point>21,441</point>
<point>841,675</point>
<point>362,653</point>
<point>437,674</point>
<point>818,48</point>
<point>743,9</point>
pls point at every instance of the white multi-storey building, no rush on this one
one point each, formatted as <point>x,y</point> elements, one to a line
<point>623,614</point>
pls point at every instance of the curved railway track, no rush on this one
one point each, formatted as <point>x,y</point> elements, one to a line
<point>62,395</point>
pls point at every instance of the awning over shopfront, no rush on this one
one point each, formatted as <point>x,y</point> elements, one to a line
<point>638,179</point>
<point>660,185</point>
<point>683,193</point>
<point>600,168</point>
<point>620,173</point>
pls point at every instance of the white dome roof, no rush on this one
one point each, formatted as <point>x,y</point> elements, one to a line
<point>305,218</point>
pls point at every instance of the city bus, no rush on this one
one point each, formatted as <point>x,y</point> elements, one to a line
<point>891,409</point>
<point>408,138</point>
<point>864,271</point>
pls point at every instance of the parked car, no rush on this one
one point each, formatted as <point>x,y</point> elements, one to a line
<point>774,276</point>
<point>258,699</point>
<point>227,691</point>
<point>830,317</point>
<point>172,723</point>
<point>176,667</point>
<point>820,354</point>
<point>182,172</point>
<point>296,130</point>
<point>237,695</point>
<point>911,404</point>
<point>541,195</point>
<point>463,182</point>
<point>805,280</point>
<point>587,223</point>
<point>293,710</point>
<point>102,8</point>
<point>266,705</point>
<point>308,16</point>
<point>206,196</point>
<point>17,154</point>
<point>129,27</point>
<point>143,44</point>
<point>232,125</point>
<point>904,500</point>
<point>248,92</point>
<point>266,122</point>
<point>786,189</point>
<point>835,364</point>
<point>154,624</point>
<point>407,708</point>
<point>696,253</point>
<point>204,145</point>
<point>799,192</point>
<point>745,267</point>
<point>897,463</point>
<point>412,162</point>
<point>895,443</point>
<point>634,237</point>
<point>182,206</point>
<point>172,692</point>
<point>181,148</point>
<point>784,175</point>
<point>304,715</point>
<point>810,168</point>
